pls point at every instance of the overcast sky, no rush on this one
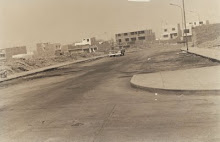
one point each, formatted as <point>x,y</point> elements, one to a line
<point>26,22</point>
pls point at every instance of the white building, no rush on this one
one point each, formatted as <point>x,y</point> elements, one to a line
<point>191,25</point>
<point>170,32</point>
<point>198,23</point>
<point>86,41</point>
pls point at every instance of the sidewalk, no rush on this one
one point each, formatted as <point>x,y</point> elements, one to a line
<point>197,79</point>
<point>210,53</point>
<point>22,74</point>
<point>207,78</point>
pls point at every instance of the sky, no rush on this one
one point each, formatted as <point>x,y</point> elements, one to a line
<point>27,22</point>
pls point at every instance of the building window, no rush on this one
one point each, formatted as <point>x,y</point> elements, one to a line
<point>135,32</point>
<point>133,39</point>
<point>201,22</point>
<point>141,38</point>
<point>194,23</point>
<point>87,40</point>
<point>132,33</point>
<point>127,39</point>
<point>119,40</point>
<point>2,55</point>
<point>141,32</point>
<point>119,34</point>
<point>173,29</point>
<point>125,34</point>
<point>165,35</point>
<point>165,30</point>
<point>186,31</point>
<point>175,34</point>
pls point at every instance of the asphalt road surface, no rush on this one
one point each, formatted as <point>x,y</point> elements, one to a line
<point>94,102</point>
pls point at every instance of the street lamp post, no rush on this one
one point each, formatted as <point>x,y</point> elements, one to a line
<point>183,22</point>
<point>184,13</point>
<point>181,12</point>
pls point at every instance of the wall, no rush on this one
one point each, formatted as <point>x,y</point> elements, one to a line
<point>9,52</point>
<point>47,49</point>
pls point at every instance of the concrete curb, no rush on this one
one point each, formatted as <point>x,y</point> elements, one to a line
<point>170,91</point>
<point>187,80</point>
<point>31,72</point>
<point>210,58</point>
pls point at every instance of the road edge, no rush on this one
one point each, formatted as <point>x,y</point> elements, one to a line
<point>31,72</point>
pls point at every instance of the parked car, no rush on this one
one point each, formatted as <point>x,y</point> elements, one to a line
<point>123,52</point>
<point>114,53</point>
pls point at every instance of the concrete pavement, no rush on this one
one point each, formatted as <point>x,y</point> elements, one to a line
<point>206,78</point>
<point>198,79</point>
<point>211,53</point>
<point>26,73</point>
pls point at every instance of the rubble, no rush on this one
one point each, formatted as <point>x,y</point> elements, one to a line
<point>20,65</point>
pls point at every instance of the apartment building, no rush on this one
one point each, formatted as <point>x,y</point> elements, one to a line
<point>142,35</point>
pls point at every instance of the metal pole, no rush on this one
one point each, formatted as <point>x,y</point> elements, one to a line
<point>186,39</point>
<point>181,10</point>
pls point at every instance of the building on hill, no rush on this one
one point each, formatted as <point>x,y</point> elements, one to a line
<point>135,36</point>
<point>188,32</point>
<point>198,23</point>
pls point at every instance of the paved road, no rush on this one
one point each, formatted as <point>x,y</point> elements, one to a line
<point>93,102</point>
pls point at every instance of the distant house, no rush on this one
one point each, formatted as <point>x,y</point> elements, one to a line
<point>8,53</point>
<point>171,32</point>
<point>48,49</point>
<point>198,23</point>
<point>86,41</point>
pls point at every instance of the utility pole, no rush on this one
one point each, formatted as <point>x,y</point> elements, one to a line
<point>186,39</point>
<point>181,13</point>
